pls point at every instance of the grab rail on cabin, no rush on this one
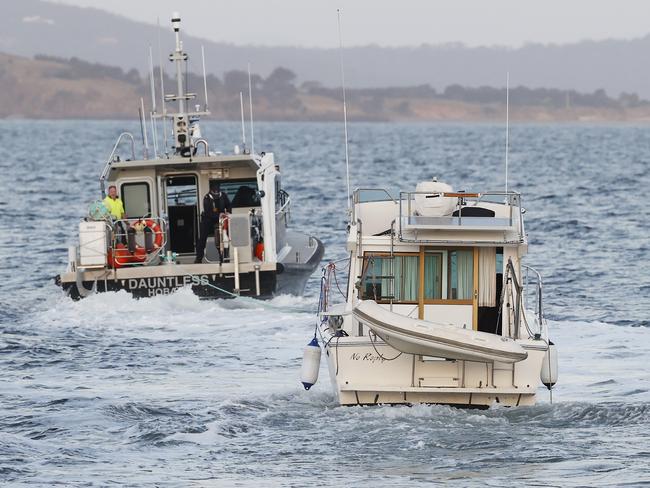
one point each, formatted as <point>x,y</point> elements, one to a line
<point>534,298</point>
<point>410,218</point>
<point>111,159</point>
<point>131,234</point>
<point>204,143</point>
<point>285,206</point>
<point>521,300</point>
<point>511,277</point>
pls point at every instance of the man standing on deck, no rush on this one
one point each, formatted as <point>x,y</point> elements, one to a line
<point>215,202</point>
<point>114,204</point>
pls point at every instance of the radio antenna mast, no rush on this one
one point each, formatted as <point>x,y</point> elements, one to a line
<point>143,128</point>
<point>250,101</point>
<point>154,133</point>
<point>243,126</point>
<point>205,79</point>
<point>162,91</point>
<point>507,126</point>
<point>345,111</point>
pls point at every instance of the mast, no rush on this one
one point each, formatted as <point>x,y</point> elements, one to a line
<point>345,116</point>
<point>178,57</point>
<point>184,143</point>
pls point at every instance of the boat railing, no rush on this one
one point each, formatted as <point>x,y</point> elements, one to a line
<point>114,157</point>
<point>410,218</point>
<point>137,245</point>
<point>204,143</point>
<point>284,211</point>
<point>533,300</point>
<point>368,195</point>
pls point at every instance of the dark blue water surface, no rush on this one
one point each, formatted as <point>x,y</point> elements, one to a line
<point>173,391</point>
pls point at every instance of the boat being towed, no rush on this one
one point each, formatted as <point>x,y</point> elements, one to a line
<point>435,310</point>
<point>154,250</point>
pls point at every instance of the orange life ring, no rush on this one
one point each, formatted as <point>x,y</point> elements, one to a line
<point>155,228</point>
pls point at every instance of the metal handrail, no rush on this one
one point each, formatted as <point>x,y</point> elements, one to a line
<point>357,191</point>
<point>511,274</point>
<point>119,236</point>
<point>513,200</point>
<point>355,199</point>
<point>285,208</point>
<point>205,145</point>
<point>539,310</point>
<point>109,161</point>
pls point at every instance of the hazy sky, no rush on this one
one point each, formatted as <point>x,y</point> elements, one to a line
<point>396,22</point>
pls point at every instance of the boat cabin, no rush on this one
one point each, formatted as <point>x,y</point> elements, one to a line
<point>438,255</point>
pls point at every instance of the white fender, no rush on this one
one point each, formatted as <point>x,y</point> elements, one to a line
<point>310,364</point>
<point>548,374</point>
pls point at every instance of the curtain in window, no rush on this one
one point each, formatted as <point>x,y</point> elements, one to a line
<point>465,274</point>
<point>406,278</point>
<point>404,288</point>
<point>487,275</point>
<point>387,285</point>
<point>432,276</point>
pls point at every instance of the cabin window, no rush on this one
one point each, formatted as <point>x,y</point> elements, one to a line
<point>137,199</point>
<point>241,192</point>
<point>433,275</point>
<point>461,274</point>
<point>395,278</point>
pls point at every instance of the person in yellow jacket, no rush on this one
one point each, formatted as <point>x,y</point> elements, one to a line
<point>114,204</point>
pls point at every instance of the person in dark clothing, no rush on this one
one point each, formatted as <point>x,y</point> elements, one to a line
<point>215,202</point>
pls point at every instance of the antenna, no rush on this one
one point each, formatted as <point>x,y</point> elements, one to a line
<point>178,59</point>
<point>345,110</point>
<point>507,126</point>
<point>143,129</point>
<point>250,101</point>
<point>162,90</point>
<point>243,126</point>
<point>154,136</point>
<point>154,133</point>
<point>205,79</point>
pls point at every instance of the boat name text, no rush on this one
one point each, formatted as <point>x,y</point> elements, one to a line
<point>163,285</point>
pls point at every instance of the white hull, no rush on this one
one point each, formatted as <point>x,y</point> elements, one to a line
<point>440,340</point>
<point>366,372</point>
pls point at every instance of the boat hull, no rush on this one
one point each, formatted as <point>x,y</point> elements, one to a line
<point>208,286</point>
<point>364,371</point>
<point>207,280</point>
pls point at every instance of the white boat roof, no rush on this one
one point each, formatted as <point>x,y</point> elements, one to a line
<point>208,162</point>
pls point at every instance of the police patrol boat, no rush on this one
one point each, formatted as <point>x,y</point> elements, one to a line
<point>439,306</point>
<point>152,250</point>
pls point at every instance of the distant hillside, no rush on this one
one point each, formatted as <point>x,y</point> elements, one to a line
<point>33,27</point>
<point>52,87</point>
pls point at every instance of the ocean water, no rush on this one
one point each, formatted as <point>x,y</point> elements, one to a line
<point>174,391</point>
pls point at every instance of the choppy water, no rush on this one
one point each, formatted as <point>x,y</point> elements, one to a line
<point>173,391</point>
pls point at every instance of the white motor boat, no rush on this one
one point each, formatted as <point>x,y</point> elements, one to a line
<point>154,248</point>
<point>439,306</point>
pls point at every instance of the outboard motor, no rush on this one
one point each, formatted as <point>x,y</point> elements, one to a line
<point>310,364</point>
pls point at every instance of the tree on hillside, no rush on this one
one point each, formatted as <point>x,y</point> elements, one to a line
<point>278,86</point>
<point>236,81</point>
